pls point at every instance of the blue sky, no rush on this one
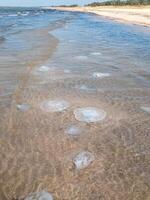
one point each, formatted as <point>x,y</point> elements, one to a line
<point>42,2</point>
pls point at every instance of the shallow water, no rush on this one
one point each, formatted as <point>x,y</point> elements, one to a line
<point>37,147</point>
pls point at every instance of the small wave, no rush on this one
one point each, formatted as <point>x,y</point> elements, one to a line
<point>12,15</point>
<point>37,13</point>
<point>23,13</point>
<point>2,39</point>
<point>57,24</point>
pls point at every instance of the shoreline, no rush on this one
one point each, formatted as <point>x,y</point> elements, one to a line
<point>76,126</point>
<point>139,15</point>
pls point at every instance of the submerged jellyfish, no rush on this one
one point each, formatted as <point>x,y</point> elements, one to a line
<point>81,57</point>
<point>43,195</point>
<point>71,40</point>
<point>23,107</point>
<point>54,105</point>
<point>43,68</point>
<point>100,75</point>
<point>73,130</point>
<point>67,71</point>
<point>83,159</point>
<point>146,109</point>
<point>95,53</point>
<point>89,114</point>
<point>85,88</point>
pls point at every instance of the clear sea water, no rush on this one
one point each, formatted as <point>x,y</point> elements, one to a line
<point>119,47</point>
<point>36,154</point>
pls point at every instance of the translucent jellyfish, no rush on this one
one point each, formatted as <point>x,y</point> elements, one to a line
<point>85,88</point>
<point>81,57</point>
<point>73,130</point>
<point>83,159</point>
<point>146,109</point>
<point>43,195</point>
<point>23,107</point>
<point>67,71</point>
<point>100,75</point>
<point>71,40</point>
<point>89,114</point>
<point>95,53</point>
<point>54,105</point>
<point>43,69</point>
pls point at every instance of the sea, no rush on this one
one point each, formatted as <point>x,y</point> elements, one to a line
<point>74,60</point>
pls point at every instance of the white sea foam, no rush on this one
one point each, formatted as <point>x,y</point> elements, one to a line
<point>73,130</point>
<point>12,15</point>
<point>24,14</point>
<point>23,107</point>
<point>100,75</point>
<point>89,114</point>
<point>54,105</point>
<point>43,195</point>
<point>83,159</point>
<point>146,109</point>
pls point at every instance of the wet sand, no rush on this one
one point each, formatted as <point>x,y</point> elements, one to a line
<point>39,154</point>
<point>139,15</point>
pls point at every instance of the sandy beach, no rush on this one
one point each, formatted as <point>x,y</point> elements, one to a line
<point>130,14</point>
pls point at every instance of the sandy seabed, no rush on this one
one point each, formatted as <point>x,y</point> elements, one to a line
<point>37,154</point>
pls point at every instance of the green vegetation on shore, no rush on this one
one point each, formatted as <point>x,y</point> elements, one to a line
<point>73,5</point>
<point>119,3</point>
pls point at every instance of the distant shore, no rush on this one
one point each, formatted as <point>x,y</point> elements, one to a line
<point>139,15</point>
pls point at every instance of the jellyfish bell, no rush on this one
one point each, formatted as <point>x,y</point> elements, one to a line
<point>81,57</point>
<point>100,75</point>
<point>23,107</point>
<point>43,68</point>
<point>83,159</point>
<point>96,53</point>
<point>43,195</point>
<point>54,105</point>
<point>73,130</point>
<point>146,109</point>
<point>89,114</point>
